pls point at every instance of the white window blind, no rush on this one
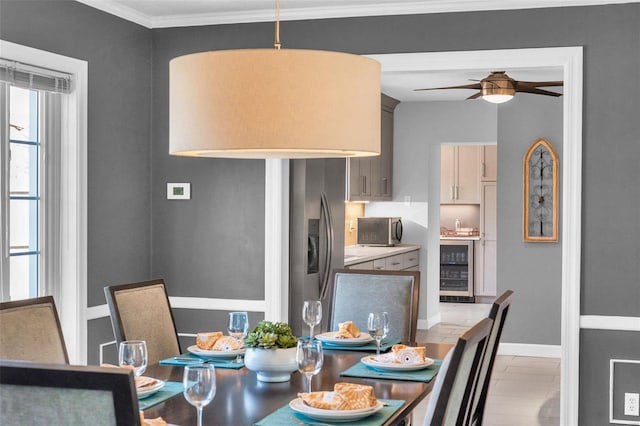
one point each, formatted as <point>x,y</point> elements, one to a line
<point>35,78</point>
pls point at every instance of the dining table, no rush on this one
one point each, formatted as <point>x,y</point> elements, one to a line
<point>241,399</point>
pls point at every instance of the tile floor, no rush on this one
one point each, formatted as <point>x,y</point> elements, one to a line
<point>525,391</point>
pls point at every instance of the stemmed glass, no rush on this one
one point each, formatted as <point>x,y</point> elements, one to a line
<point>309,358</point>
<point>133,353</point>
<point>378,327</point>
<point>199,383</point>
<point>312,314</point>
<point>238,328</point>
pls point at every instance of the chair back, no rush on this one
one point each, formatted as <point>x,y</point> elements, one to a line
<point>31,331</point>
<point>141,311</point>
<point>56,394</point>
<point>452,392</point>
<point>498,314</point>
<point>355,293</point>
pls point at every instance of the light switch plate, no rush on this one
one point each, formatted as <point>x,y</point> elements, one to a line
<point>178,191</point>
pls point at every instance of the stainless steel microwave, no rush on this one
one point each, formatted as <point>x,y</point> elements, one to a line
<point>379,231</point>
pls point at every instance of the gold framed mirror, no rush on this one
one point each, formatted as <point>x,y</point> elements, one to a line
<point>540,201</point>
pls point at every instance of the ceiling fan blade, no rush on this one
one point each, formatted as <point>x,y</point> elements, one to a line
<point>466,86</point>
<point>475,96</point>
<point>536,91</point>
<point>538,83</point>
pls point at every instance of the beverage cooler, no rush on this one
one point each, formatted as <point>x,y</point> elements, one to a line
<point>456,271</point>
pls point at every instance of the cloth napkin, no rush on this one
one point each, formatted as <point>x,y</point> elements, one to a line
<point>169,390</point>
<point>191,359</point>
<point>361,370</point>
<point>385,346</point>
<point>285,416</point>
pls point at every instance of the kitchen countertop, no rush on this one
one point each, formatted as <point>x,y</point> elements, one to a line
<point>472,238</point>
<point>359,254</point>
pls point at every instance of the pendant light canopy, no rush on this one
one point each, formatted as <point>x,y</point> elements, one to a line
<point>274,103</point>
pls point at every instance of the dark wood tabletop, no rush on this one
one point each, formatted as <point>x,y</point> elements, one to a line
<point>242,400</point>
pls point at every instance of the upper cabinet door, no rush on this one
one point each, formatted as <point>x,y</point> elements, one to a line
<point>460,174</point>
<point>489,163</point>
<point>447,174</point>
<point>371,178</point>
<point>468,170</point>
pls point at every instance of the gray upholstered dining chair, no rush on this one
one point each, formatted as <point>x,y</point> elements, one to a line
<point>141,311</point>
<point>31,331</point>
<point>57,394</point>
<point>498,314</point>
<point>355,293</point>
<point>450,401</point>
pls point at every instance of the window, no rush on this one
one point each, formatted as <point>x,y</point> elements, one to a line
<point>32,161</point>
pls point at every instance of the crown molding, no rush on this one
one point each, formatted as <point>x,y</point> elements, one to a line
<point>333,11</point>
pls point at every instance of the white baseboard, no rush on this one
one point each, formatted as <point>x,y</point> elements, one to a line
<point>425,324</point>
<point>525,349</point>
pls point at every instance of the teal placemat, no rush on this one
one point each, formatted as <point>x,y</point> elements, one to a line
<point>190,359</point>
<point>385,346</point>
<point>285,416</point>
<point>361,370</point>
<point>169,390</point>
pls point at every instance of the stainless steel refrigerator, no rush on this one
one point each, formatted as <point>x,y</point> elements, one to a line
<point>316,234</point>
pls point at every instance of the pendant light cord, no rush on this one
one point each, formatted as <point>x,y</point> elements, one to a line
<point>276,44</point>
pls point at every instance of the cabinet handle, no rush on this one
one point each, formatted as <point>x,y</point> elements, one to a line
<point>484,170</point>
<point>395,263</point>
<point>451,197</point>
<point>364,180</point>
<point>385,188</point>
<point>362,190</point>
<point>456,192</point>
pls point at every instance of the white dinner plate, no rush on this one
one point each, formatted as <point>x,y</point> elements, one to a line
<point>375,362</point>
<point>331,339</point>
<point>194,349</point>
<point>150,390</point>
<point>299,406</point>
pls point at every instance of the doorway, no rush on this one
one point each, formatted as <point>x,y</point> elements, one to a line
<point>570,59</point>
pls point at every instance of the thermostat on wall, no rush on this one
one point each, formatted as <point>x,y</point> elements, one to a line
<point>178,191</point>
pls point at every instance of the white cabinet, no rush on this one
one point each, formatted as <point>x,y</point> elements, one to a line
<point>489,163</point>
<point>370,178</point>
<point>408,261</point>
<point>486,248</point>
<point>460,170</point>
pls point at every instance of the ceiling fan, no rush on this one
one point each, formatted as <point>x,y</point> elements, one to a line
<point>498,87</point>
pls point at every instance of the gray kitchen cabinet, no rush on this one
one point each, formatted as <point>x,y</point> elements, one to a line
<point>489,163</point>
<point>486,249</point>
<point>460,170</point>
<point>371,178</point>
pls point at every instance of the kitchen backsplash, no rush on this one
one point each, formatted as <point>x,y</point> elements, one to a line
<point>469,215</point>
<point>352,211</point>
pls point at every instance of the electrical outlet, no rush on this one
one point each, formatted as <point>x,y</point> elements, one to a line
<point>631,404</point>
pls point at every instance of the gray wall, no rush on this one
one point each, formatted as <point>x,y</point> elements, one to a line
<point>532,270</point>
<point>119,201</point>
<point>119,191</point>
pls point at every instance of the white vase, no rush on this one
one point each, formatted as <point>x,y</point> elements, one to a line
<point>271,365</point>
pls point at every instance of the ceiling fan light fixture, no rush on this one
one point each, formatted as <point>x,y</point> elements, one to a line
<point>274,103</point>
<point>497,88</point>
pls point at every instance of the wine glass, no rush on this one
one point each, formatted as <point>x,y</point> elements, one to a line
<point>312,314</point>
<point>133,353</point>
<point>378,327</point>
<point>199,383</point>
<point>309,358</point>
<point>238,328</point>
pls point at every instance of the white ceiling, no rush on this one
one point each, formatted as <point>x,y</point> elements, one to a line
<point>175,13</point>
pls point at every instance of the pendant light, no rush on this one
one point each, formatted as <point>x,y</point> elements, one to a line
<point>274,103</point>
